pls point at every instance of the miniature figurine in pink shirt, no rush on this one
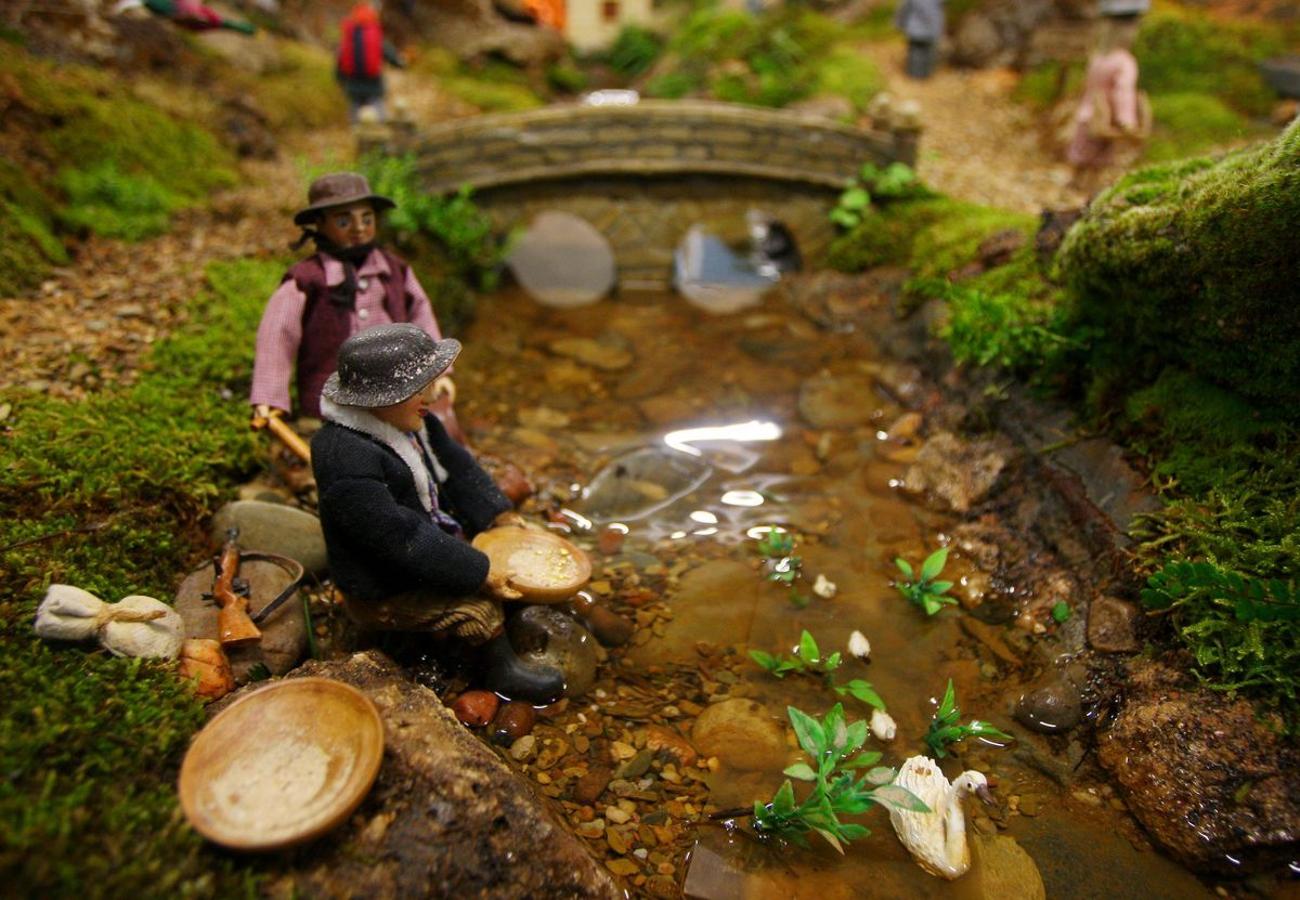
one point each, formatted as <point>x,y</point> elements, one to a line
<point>347,286</point>
<point>1111,111</point>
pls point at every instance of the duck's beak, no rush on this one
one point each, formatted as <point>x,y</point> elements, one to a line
<point>985,795</point>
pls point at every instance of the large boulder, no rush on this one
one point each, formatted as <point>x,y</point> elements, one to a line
<point>1215,786</point>
<point>1194,263</point>
<point>445,818</point>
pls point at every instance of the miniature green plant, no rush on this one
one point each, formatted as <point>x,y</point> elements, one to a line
<point>808,660</point>
<point>895,181</point>
<point>945,729</point>
<point>833,746</point>
<point>777,547</point>
<point>922,589</point>
<point>1061,612</point>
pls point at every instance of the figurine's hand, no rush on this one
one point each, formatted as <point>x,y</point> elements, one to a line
<point>509,519</point>
<point>443,386</point>
<point>262,412</point>
<point>498,583</point>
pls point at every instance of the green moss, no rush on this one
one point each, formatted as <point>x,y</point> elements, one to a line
<point>634,51</point>
<point>1188,124</point>
<point>113,490</point>
<point>301,93</point>
<point>107,202</point>
<point>847,72</point>
<point>1194,263</point>
<point>1189,52</point>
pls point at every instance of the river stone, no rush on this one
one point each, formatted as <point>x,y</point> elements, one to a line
<point>1112,625</point>
<point>836,401</point>
<point>1003,870</point>
<point>1214,785</point>
<point>274,528</point>
<point>958,474</point>
<point>547,636</point>
<point>608,354</point>
<point>1052,709</point>
<point>637,483</point>
<point>445,818</point>
<point>562,260</point>
<point>742,734</point>
<point>284,634</point>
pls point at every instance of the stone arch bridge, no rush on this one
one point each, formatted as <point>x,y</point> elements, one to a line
<point>643,174</point>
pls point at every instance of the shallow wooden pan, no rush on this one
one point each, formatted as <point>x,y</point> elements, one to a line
<point>283,765</point>
<point>544,567</point>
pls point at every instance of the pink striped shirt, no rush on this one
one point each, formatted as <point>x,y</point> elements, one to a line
<point>280,333</point>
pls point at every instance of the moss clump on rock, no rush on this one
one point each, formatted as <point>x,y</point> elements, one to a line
<point>1196,263</point>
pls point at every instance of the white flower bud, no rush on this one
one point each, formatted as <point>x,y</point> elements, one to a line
<point>859,646</point>
<point>882,725</point>
<point>824,587</point>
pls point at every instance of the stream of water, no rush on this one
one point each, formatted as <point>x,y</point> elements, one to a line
<point>704,414</point>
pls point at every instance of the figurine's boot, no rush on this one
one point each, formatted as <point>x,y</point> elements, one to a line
<point>508,675</point>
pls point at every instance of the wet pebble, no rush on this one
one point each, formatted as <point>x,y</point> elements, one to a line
<point>1050,710</point>
<point>741,733</point>
<point>546,636</point>
<point>524,748</point>
<point>513,720</point>
<point>475,709</point>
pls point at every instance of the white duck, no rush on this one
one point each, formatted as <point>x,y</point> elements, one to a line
<point>937,839</point>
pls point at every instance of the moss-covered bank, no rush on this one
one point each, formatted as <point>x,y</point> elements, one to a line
<point>108,494</point>
<point>1195,263</point>
<point>1177,332</point>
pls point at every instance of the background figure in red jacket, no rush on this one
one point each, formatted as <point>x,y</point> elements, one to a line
<point>363,51</point>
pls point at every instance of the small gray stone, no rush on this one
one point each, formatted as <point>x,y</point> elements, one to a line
<point>274,528</point>
<point>957,473</point>
<point>284,633</point>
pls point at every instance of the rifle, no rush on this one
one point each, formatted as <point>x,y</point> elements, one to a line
<point>234,627</point>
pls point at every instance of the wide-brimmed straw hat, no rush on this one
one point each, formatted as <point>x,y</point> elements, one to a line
<point>339,189</point>
<point>387,364</point>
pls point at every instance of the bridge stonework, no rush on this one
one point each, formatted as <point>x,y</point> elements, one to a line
<point>643,174</point>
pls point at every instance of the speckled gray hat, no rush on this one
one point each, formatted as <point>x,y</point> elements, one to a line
<point>387,364</point>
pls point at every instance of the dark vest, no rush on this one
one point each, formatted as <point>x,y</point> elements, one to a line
<point>325,325</point>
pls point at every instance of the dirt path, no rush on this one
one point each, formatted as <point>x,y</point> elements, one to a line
<point>978,143</point>
<point>89,323</point>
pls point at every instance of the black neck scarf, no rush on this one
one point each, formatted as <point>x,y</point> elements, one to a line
<point>343,294</point>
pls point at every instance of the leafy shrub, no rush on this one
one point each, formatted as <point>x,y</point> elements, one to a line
<point>112,204</point>
<point>566,78</point>
<point>945,729</point>
<point>921,588</point>
<point>634,51</point>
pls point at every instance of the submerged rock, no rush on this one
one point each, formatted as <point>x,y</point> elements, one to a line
<point>547,636</point>
<point>1004,870</point>
<point>1052,709</point>
<point>1112,625</point>
<point>459,822</point>
<point>742,734</point>
<point>1214,785</point>
<point>836,401</point>
<point>637,483</point>
<point>957,473</point>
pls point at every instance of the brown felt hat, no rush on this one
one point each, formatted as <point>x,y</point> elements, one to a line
<point>387,364</point>
<point>339,189</point>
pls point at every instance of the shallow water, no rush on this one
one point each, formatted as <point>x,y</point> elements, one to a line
<point>723,392</point>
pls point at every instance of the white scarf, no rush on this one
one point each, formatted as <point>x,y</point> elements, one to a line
<point>357,418</point>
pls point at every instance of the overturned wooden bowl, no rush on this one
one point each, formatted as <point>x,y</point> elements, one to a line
<point>283,765</point>
<point>544,567</point>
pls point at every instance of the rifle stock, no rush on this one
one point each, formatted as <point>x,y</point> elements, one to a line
<point>234,627</point>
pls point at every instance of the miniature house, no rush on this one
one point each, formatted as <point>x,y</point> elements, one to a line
<point>593,24</point>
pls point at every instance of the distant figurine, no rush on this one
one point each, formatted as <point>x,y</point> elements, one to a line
<point>349,284</point>
<point>1112,111</point>
<point>398,500</point>
<point>363,50</point>
<point>922,22</point>
<point>187,14</point>
<point>773,248</point>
